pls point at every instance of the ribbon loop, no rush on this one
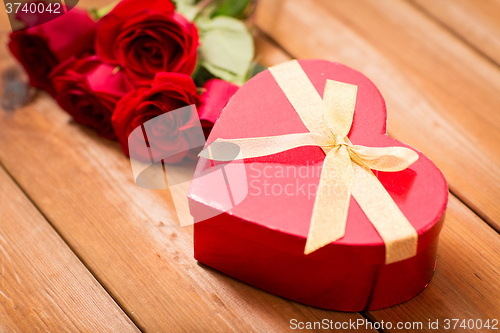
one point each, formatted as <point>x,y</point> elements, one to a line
<point>339,100</point>
<point>385,158</point>
<point>346,168</point>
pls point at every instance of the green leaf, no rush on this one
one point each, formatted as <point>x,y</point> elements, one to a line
<point>187,8</point>
<point>255,69</point>
<point>223,73</point>
<point>201,75</point>
<point>226,48</point>
<point>233,8</point>
<point>179,3</point>
<point>104,10</point>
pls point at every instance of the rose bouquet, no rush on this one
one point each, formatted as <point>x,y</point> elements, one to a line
<point>115,68</point>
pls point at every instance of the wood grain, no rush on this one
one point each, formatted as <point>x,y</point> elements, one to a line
<point>267,52</point>
<point>442,98</point>
<point>127,236</point>
<point>477,22</point>
<point>44,287</point>
<point>466,282</point>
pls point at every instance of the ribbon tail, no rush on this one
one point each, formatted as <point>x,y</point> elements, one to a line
<point>235,149</point>
<point>331,206</point>
<point>398,234</point>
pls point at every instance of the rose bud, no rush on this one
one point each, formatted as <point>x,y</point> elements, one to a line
<point>41,48</point>
<point>214,98</point>
<point>88,90</point>
<point>171,135</point>
<point>147,39</point>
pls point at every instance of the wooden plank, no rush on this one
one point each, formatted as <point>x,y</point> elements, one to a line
<point>85,187</point>
<point>40,135</point>
<point>267,52</point>
<point>44,287</point>
<point>127,236</point>
<point>466,283</point>
<point>477,22</point>
<point>442,97</point>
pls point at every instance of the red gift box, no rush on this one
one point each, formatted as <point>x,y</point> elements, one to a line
<point>260,238</point>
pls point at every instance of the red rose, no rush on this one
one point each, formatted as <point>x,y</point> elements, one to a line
<point>167,135</point>
<point>40,49</point>
<point>214,98</point>
<point>89,90</point>
<point>147,38</point>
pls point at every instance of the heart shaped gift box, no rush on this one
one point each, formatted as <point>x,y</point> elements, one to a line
<point>255,225</point>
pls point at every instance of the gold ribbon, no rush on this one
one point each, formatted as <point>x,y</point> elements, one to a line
<point>346,166</point>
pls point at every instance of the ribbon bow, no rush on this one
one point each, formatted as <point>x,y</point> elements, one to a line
<point>346,168</point>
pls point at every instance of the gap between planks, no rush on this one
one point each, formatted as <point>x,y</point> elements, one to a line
<point>267,43</point>
<point>412,110</point>
<point>4,170</point>
<point>44,285</point>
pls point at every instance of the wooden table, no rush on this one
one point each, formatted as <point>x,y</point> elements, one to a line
<point>82,248</point>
